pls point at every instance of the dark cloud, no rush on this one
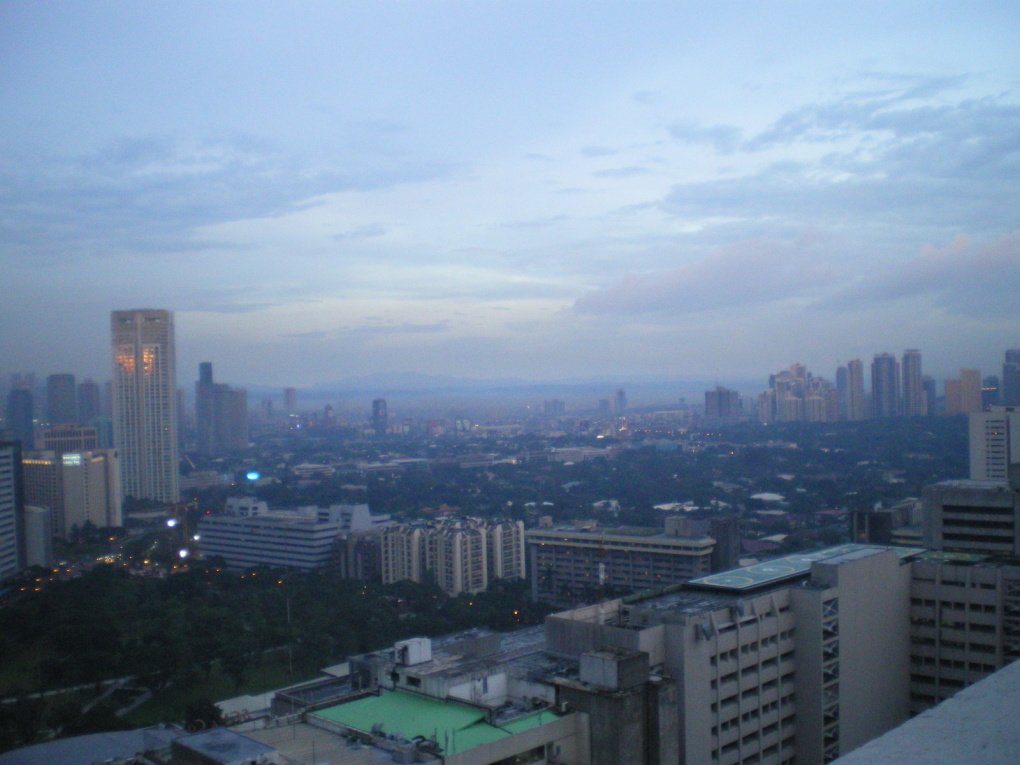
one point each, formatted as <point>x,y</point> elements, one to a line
<point>749,273</point>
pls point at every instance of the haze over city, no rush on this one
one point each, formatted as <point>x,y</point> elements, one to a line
<point>495,190</point>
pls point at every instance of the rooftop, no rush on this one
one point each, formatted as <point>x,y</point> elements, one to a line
<point>455,727</point>
<point>781,569</point>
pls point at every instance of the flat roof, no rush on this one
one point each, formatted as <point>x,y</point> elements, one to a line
<point>455,727</point>
<point>788,567</point>
<point>224,745</point>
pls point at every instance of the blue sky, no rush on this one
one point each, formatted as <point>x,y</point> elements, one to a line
<point>496,189</point>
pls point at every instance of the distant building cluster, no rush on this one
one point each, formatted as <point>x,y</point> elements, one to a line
<point>898,388</point>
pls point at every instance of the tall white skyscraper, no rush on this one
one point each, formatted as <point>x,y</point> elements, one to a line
<point>145,403</point>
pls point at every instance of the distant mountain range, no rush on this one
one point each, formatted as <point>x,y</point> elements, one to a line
<point>414,385</point>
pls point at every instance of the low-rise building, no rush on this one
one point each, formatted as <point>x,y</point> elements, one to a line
<point>569,564</point>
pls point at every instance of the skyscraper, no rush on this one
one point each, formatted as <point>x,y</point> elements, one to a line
<point>380,420</point>
<point>221,413</point>
<point>885,393</point>
<point>913,392</point>
<point>1011,378</point>
<point>19,417</point>
<point>145,403</point>
<point>12,532</point>
<point>855,402</point>
<point>970,390</point>
<point>722,405</point>
<point>61,399</point>
<point>89,402</point>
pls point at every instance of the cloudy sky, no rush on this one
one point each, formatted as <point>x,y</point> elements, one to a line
<point>543,190</point>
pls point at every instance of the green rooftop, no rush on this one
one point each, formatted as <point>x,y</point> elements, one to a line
<point>791,566</point>
<point>455,727</point>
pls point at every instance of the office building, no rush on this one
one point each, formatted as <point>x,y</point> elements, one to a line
<point>67,438</point>
<point>89,402</point>
<point>249,533</point>
<point>290,401</point>
<point>145,403</point>
<point>78,487</point>
<point>61,399</point>
<point>20,422</point>
<point>571,565</point>
<point>1011,378</point>
<point>800,659</point>
<point>994,443</point>
<point>459,554</point>
<point>722,405</point>
<point>914,404</point>
<point>885,389</point>
<point>221,414</point>
<point>12,506</point>
<point>980,517</point>
<point>274,540</point>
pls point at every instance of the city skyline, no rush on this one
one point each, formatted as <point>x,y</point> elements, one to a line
<point>512,190</point>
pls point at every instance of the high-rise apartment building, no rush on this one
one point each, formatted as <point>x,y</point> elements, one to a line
<point>461,554</point>
<point>145,403</point>
<point>61,399</point>
<point>885,387</point>
<point>994,443</point>
<point>12,507</point>
<point>795,395</point>
<point>913,390</point>
<point>290,400</point>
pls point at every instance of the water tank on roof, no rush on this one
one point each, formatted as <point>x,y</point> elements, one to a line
<point>413,651</point>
